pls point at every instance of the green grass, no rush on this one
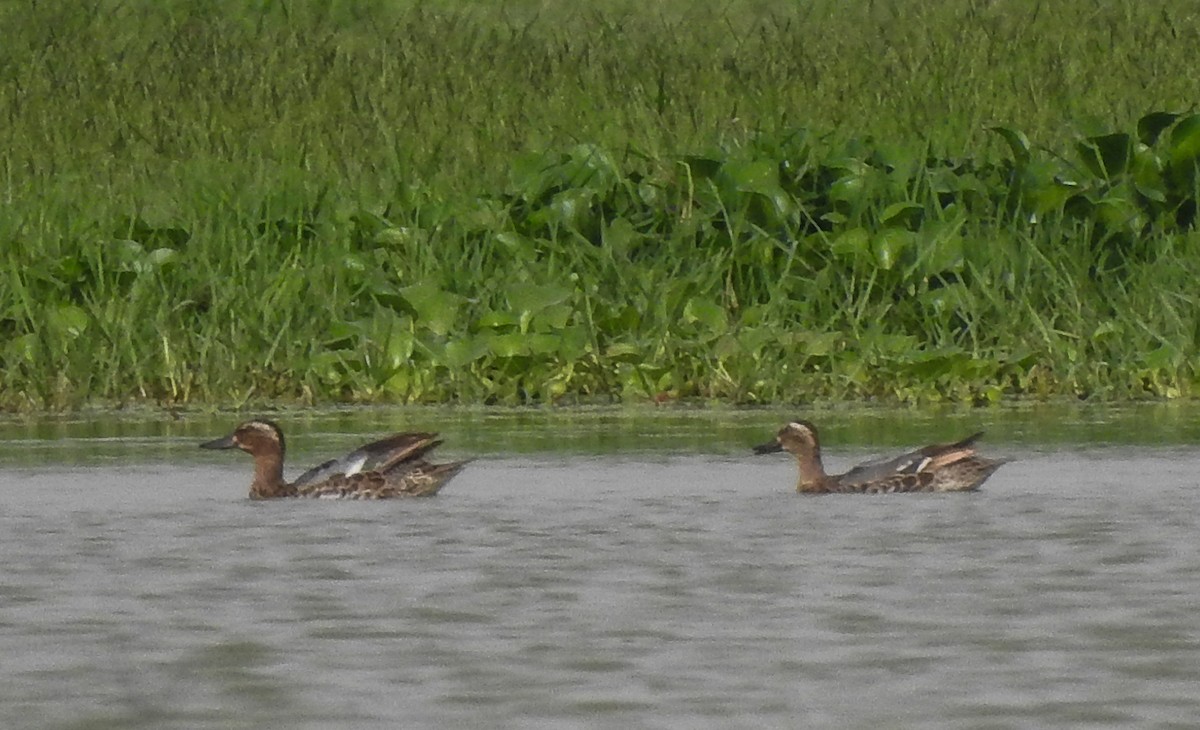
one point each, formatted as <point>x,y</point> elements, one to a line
<point>550,202</point>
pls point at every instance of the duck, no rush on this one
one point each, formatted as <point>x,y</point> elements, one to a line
<point>391,467</point>
<point>952,467</point>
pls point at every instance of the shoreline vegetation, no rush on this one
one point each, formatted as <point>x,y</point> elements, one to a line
<point>748,202</point>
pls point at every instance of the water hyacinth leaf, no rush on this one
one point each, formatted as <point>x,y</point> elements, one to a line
<point>524,297</point>
<point>945,299</point>
<point>398,383</point>
<point>890,245</point>
<point>1018,143</point>
<point>162,257</point>
<point>1184,151</point>
<point>701,168</point>
<point>849,188</point>
<point>650,194</point>
<point>341,335</point>
<point>543,344</point>
<point>354,264</point>
<point>22,349</point>
<point>462,351</point>
<point>854,244</point>
<point>125,255</point>
<point>1160,358</point>
<point>516,244</point>
<point>367,225</point>
<point>436,310</point>
<point>620,236</point>
<point>532,175</point>
<point>397,237</point>
<point>1154,193</point>
<point>707,313</point>
<point>553,317</point>
<point>137,229</point>
<point>1147,174</point>
<point>1119,213</point>
<point>1043,187</point>
<point>1050,195</point>
<point>1153,124</point>
<point>1185,138</point>
<point>905,348</point>
<point>758,176</point>
<point>497,320</point>
<point>591,167</point>
<point>399,347</point>
<point>531,300</point>
<point>329,366</point>
<point>572,343</point>
<point>68,320</point>
<point>902,215</point>
<point>940,248</point>
<point>510,344</point>
<point>571,208</point>
<point>624,351</point>
<point>1106,156</point>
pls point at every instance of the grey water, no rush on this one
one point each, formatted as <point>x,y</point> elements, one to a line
<point>596,570</point>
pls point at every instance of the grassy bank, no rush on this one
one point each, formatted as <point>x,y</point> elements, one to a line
<point>516,202</point>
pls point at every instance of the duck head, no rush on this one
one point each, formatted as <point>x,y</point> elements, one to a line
<point>797,437</point>
<point>253,437</point>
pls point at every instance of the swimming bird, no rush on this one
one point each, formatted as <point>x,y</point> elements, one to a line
<point>938,468</point>
<point>391,467</point>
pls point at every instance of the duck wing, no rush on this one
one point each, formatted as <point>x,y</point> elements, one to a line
<point>913,462</point>
<point>381,455</point>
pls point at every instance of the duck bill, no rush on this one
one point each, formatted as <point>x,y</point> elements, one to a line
<point>768,448</point>
<point>222,443</point>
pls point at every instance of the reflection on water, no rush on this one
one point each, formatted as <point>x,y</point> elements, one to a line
<point>677,586</point>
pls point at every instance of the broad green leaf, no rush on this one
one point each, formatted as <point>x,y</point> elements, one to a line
<point>940,247</point>
<point>497,320</point>
<point>707,313</point>
<point>1153,124</point>
<point>854,244</point>
<point>509,344</point>
<point>701,168</point>
<point>342,335</point>
<point>69,320</point>
<point>572,208</point>
<point>534,174</point>
<point>945,299</point>
<point>22,349</point>
<point>1106,156</point>
<point>592,168</point>
<point>620,236</point>
<point>1018,143</point>
<point>525,297</point>
<point>848,188</point>
<point>627,351</point>
<point>903,215</point>
<point>160,257</point>
<point>516,244</point>
<point>889,245</point>
<point>1184,150</point>
<point>462,351</point>
<point>399,348</point>
<point>758,176</point>
<point>436,310</point>
<point>543,344</point>
<point>1160,358</point>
